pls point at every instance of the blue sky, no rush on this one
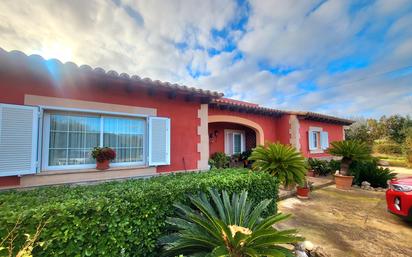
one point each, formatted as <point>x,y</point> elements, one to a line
<point>342,57</point>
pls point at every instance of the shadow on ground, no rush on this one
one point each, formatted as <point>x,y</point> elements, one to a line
<point>350,223</point>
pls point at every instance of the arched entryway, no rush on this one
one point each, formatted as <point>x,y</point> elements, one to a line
<point>232,135</point>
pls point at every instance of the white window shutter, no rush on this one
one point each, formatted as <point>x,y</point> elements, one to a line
<point>159,141</point>
<point>324,139</point>
<point>311,140</point>
<point>18,139</point>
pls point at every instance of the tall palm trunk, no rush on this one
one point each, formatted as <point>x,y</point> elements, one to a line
<point>344,166</point>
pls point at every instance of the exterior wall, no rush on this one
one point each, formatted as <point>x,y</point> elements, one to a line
<point>267,123</point>
<point>183,114</point>
<point>217,144</point>
<point>335,134</point>
<point>283,129</point>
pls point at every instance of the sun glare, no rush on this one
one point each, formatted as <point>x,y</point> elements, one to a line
<point>56,51</point>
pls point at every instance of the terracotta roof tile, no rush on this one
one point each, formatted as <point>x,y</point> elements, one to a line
<point>17,57</point>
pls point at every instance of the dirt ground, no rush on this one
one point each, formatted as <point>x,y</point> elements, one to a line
<point>349,223</point>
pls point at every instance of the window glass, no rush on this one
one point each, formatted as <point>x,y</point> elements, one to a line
<point>237,143</point>
<point>126,137</point>
<point>72,137</point>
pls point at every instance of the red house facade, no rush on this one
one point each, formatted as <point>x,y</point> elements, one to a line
<point>52,115</point>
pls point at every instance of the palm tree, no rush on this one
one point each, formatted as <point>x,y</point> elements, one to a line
<point>349,150</point>
<point>282,161</point>
<point>226,227</point>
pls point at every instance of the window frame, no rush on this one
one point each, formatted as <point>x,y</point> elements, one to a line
<point>318,131</point>
<point>45,131</point>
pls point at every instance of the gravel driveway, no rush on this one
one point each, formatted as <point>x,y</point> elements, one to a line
<point>350,223</point>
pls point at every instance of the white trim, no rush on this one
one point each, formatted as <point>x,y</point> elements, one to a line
<point>242,141</point>
<point>46,136</point>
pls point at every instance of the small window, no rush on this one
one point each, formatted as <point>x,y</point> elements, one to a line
<point>318,139</point>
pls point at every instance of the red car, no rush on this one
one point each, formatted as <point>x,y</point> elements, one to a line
<point>399,197</point>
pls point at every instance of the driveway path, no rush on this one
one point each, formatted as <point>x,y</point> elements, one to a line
<point>349,223</point>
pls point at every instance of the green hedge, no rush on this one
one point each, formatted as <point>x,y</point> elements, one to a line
<point>117,218</point>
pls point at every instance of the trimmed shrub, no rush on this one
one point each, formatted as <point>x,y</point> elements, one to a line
<point>116,218</point>
<point>387,148</point>
<point>219,160</point>
<point>371,172</point>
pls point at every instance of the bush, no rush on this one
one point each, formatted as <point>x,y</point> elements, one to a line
<point>219,160</point>
<point>117,218</point>
<point>320,167</point>
<point>371,172</point>
<point>387,148</point>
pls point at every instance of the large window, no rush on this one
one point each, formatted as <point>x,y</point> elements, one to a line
<point>70,137</point>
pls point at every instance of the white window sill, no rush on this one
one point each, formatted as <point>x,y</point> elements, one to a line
<point>316,151</point>
<point>74,171</point>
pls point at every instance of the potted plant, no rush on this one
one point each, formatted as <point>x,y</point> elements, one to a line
<point>311,171</point>
<point>244,156</point>
<point>303,189</point>
<point>103,156</point>
<point>350,150</point>
<point>281,161</point>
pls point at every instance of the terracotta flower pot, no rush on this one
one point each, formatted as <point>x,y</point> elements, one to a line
<point>302,192</point>
<point>104,165</point>
<point>343,182</point>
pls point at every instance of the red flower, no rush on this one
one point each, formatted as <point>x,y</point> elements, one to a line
<point>103,153</point>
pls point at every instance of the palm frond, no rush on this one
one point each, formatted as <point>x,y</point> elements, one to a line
<point>281,161</point>
<point>226,226</point>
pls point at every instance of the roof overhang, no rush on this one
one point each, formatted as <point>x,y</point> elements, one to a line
<point>323,118</point>
<point>242,107</point>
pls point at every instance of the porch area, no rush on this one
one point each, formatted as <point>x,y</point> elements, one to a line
<point>230,138</point>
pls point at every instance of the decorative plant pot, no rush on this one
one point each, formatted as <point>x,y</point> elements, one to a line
<point>302,192</point>
<point>343,182</point>
<point>104,165</point>
<point>311,173</point>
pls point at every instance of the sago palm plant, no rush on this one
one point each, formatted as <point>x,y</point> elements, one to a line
<point>226,227</point>
<point>281,161</point>
<point>349,150</point>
